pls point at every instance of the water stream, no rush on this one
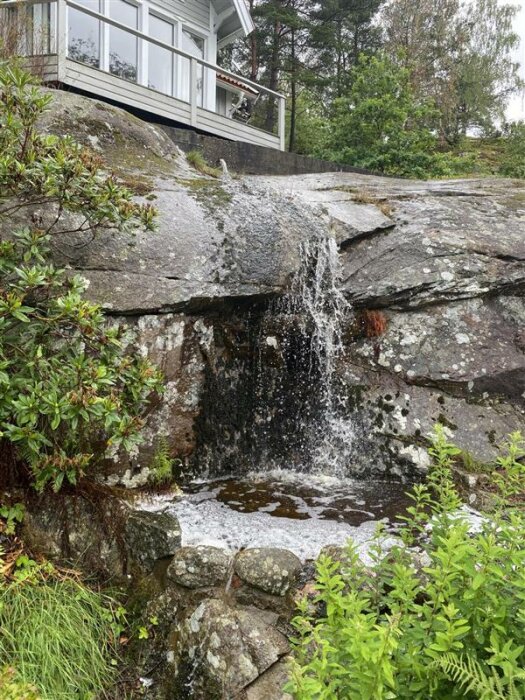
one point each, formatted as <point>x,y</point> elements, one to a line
<point>277,437</point>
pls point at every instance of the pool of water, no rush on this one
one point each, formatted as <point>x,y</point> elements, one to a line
<point>306,498</point>
<point>299,512</point>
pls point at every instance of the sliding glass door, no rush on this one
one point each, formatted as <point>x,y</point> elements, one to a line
<point>194,44</point>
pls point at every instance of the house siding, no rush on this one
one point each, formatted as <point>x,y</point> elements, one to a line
<point>195,12</point>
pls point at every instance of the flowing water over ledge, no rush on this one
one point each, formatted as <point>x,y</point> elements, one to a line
<point>276,417</point>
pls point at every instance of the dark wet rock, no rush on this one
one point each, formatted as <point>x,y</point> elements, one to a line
<point>151,536</point>
<point>223,649</point>
<point>79,532</point>
<point>255,597</point>
<point>269,569</point>
<point>200,567</point>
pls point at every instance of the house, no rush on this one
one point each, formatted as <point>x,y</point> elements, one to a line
<point>156,56</point>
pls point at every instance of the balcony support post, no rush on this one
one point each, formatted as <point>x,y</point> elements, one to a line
<point>282,123</point>
<point>61,39</point>
<point>193,91</point>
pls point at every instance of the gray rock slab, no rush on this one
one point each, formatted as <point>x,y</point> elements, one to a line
<point>230,648</point>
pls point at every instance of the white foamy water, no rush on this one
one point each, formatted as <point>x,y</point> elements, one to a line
<point>281,509</point>
<point>213,523</point>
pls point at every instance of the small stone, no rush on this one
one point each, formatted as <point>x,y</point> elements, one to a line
<point>199,567</point>
<point>151,536</point>
<point>271,570</point>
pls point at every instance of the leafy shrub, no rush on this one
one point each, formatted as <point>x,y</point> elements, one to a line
<point>381,126</point>
<point>58,635</point>
<point>454,627</point>
<point>513,160</point>
<point>68,389</point>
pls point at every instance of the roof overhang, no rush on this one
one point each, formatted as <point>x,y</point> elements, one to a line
<point>233,20</point>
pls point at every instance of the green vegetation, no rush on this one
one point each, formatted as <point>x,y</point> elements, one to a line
<point>441,614</point>
<point>513,160</point>
<point>11,688</point>
<point>161,468</point>
<point>451,64</point>
<point>58,637</point>
<point>381,126</point>
<point>70,390</point>
<point>197,161</point>
<point>57,633</point>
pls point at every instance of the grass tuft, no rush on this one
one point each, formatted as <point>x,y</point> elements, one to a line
<point>197,160</point>
<point>58,636</point>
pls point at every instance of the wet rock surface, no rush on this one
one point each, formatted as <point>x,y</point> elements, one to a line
<point>75,531</point>
<point>224,649</point>
<point>200,567</point>
<point>442,262</point>
<point>151,536</point>
<point>269,569</point>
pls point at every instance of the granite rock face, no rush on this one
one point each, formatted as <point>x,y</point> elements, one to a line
<point>223,649</point>
<point>442,262</point>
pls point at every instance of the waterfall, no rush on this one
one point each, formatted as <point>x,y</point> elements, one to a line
<point>275,402</point>
<point>319,304</point>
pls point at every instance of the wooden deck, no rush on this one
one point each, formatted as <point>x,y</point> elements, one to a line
<point>57,67</point>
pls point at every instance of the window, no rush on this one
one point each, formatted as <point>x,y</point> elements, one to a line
<point>117,51</point>
<point>123,46</point>
<point>161,61</point>
<point>193,44</point>
<point>84,35</point>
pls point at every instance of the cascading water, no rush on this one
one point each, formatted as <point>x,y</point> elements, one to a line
<point>316,310</point>
<point>275,400</point>
<point>275,461</point>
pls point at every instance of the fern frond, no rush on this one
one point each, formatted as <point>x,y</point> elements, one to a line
<point>471,678</point>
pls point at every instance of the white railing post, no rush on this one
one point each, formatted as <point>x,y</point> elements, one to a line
<point>61,39</point>
<point>282,123</point>
<point>193,91</point>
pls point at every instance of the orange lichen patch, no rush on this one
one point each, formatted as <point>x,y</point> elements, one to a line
<point>373,323</point>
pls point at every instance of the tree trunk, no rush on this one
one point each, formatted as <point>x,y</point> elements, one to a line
<point>293,91</point>
<point>269,123</point>
<point>254,59</point>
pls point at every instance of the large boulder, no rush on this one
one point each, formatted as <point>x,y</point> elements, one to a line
<point>216,239</point>
<point>222,649</point>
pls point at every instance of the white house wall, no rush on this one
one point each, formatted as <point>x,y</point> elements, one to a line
<point>195,12</point>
